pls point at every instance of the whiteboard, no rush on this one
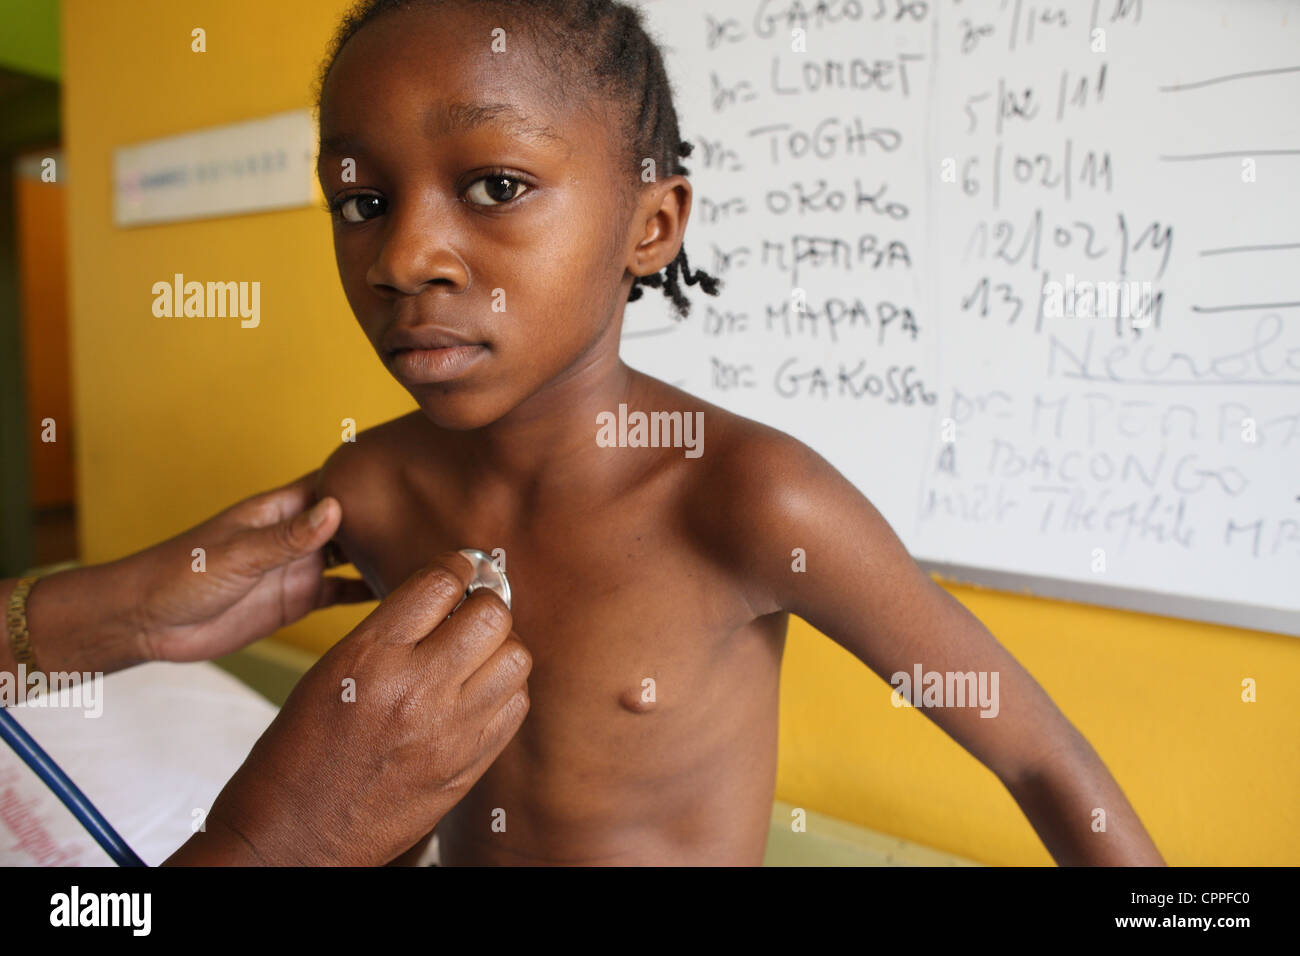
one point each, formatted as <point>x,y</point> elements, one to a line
<point>1026,273</point>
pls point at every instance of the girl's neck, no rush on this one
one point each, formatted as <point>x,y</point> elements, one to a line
<point>547,445</point>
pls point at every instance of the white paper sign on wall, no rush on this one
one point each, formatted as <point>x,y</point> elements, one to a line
<point>257,165</point>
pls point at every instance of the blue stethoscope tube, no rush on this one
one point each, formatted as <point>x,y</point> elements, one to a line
<point>31,754</point>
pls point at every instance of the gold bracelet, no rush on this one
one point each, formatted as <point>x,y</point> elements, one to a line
<point>16,618</point>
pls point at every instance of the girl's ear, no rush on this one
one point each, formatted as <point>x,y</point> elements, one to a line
<point>663,212</point>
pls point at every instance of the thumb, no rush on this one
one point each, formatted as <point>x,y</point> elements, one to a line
<point>264,549</point>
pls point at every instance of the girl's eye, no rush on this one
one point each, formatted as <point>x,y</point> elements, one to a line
<point>350,213</point>
<point>494,190</point>
<point>499,189</point>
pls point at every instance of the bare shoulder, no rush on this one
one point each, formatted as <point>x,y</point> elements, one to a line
<point>756,495</point>
<point>355,466</point>
<point>363,474</point>
<point>797,532</point>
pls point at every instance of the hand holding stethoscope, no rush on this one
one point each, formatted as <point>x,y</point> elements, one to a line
<point>437,696</point>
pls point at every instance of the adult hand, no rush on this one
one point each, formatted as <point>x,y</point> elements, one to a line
<point>381,737</point>
<point>261,564</point>
<point>207,592</point>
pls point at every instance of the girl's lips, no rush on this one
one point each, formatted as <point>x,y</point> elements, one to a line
<point>427,366</point>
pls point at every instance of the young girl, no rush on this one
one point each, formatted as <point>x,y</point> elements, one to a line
<point>503,179</point>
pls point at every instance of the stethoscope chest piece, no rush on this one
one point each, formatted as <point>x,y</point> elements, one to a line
<point>486,575</point>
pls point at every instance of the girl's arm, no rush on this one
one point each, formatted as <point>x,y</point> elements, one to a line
<point>863,590</point>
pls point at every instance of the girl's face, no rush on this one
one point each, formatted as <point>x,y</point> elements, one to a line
<point>479,214</point>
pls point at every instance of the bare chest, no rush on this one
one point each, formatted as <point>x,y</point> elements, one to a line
<point>622,617</point>
<point>653,693</point>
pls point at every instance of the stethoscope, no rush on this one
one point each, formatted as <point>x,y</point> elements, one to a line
<point>486,575</point>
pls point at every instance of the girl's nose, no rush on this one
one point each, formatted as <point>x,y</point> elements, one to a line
<point>416,251</point>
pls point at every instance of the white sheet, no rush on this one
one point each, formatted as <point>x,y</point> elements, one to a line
<point>169,738</point>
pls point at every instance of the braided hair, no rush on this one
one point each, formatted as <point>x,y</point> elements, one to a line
<point>602,48</point>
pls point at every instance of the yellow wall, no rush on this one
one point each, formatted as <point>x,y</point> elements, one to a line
<point>180,418</point>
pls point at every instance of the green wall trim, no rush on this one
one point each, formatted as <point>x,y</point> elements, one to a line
<point>29,37</point>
